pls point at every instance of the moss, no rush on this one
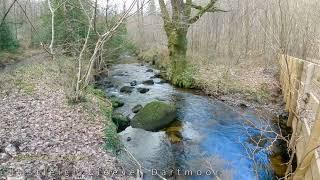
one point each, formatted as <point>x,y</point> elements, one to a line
<point>154,116</point>
<point>112,139</point>
<point>95,91</point>
<point>112,142</point>
<point>98,98</point>
<point>116,102</point>
<point>181,74</point>
<point>121,121</point>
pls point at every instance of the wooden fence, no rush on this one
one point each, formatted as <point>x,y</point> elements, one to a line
<point>300,81</point>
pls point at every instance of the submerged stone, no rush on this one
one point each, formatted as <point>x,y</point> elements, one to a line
<point>174,132</point>
<point>154,116</point>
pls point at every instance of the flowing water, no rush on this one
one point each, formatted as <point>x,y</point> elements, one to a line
<point>209,137</point>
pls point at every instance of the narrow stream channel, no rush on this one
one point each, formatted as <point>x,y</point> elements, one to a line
<point>207,136</point>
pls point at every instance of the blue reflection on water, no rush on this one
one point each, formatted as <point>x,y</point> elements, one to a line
<point>225,135</point>
<point>211,129</point>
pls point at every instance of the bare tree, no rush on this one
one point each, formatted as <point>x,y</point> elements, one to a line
<point>84,79</point>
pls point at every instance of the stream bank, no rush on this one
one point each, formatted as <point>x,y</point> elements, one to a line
<point>208,135</point>
<point>42,135</point>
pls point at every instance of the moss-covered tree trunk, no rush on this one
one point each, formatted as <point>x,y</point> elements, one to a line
<point>177,45</point>
<point>176,27</point>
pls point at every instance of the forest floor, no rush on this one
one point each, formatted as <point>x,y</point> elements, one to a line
<point>249,83</point>
<point>41,134</point>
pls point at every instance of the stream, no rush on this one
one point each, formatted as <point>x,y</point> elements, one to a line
<point>208,139</point>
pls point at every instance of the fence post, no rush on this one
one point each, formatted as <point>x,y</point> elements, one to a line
<point>313,143</point>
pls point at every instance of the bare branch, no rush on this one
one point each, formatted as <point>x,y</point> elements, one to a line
<point>210,7</point>
<point>6,14</point>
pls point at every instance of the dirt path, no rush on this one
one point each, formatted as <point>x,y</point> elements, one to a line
<point>41,135</point>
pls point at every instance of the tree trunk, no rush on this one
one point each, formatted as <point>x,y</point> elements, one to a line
<point>176,28</point>
<point>177,45</point>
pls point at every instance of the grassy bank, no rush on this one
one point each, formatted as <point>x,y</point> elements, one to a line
<point>99,98</point>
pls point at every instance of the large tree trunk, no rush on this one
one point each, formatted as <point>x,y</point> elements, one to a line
<point>177,45</point>
<point>176,28</point>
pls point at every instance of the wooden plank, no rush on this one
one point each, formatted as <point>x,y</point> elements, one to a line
<point>314,140</point>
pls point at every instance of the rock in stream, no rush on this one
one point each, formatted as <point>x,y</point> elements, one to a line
<point>154,116</point>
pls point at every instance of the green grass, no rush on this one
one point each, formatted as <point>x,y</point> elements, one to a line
<point>24,78</point>
<point>95,91</point>
<point>26,86</point>
<point>112,139</point>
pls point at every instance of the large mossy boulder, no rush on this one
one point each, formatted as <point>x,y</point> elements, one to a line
<point>154,116</point>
